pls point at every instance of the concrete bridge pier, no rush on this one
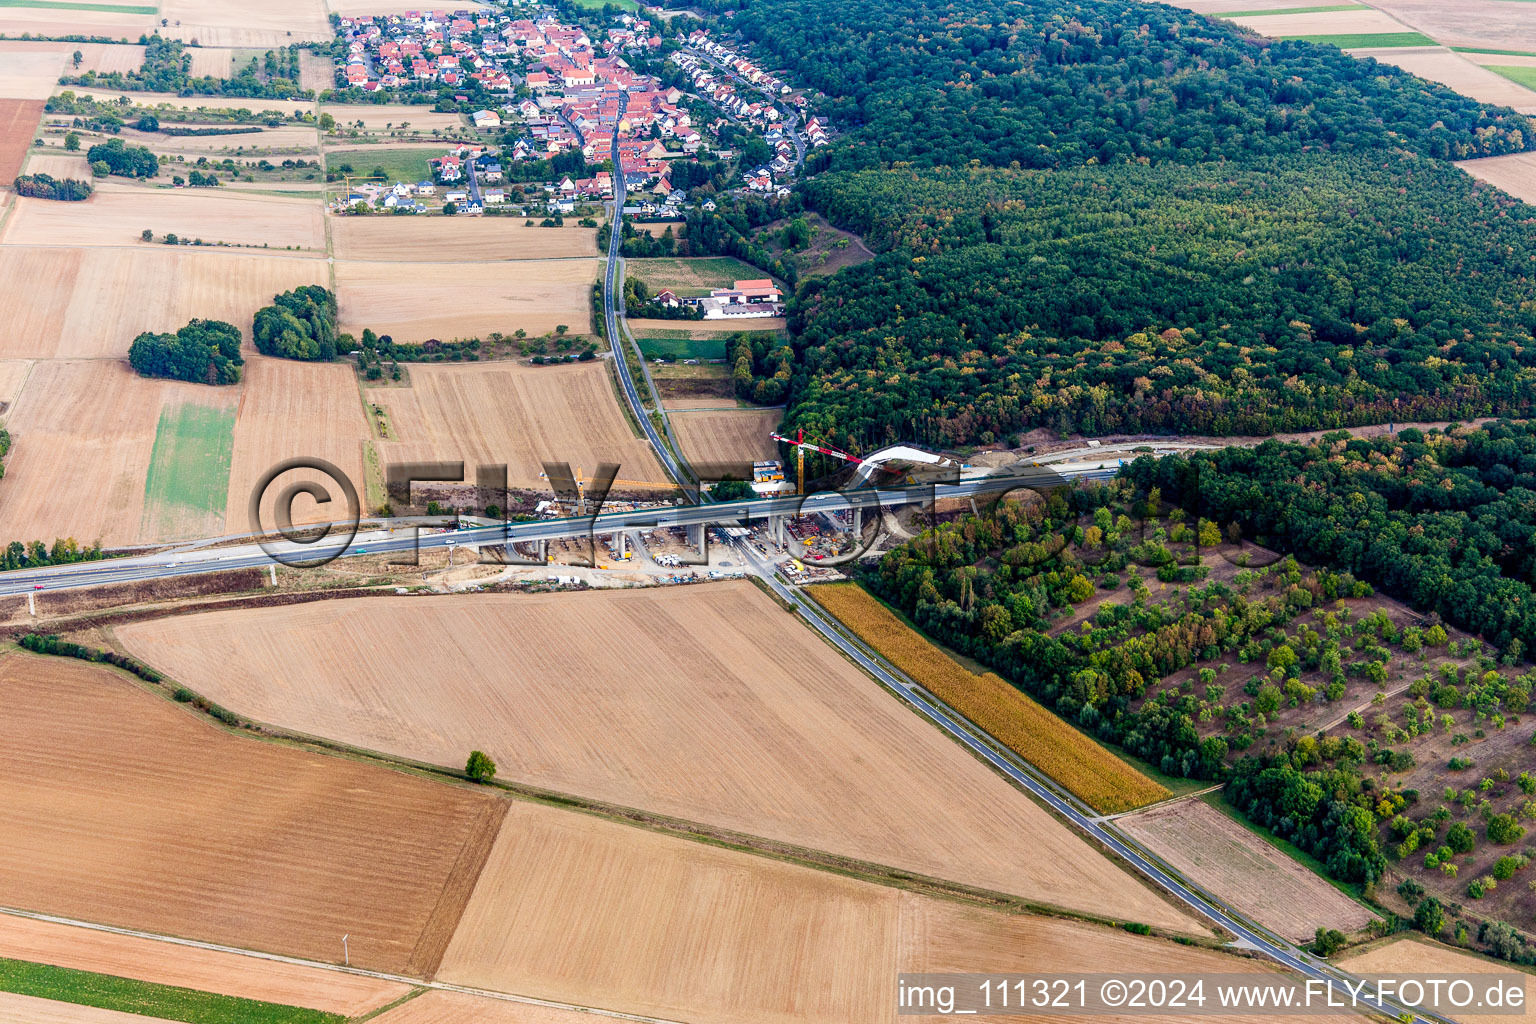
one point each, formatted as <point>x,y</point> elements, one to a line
<point>696,536</point>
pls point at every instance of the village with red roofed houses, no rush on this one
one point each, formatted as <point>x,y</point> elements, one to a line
<point>542,96</point>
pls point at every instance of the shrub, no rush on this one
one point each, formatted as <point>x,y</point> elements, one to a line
<point>1503,829</point>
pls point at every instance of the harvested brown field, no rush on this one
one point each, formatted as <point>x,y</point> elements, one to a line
<point>92,302</point>
<point>579,909</point>
<point>582,910</point>
<point>1515,173</point>
<point>1491,24</point>
<point>1365,21</point>
<point>1457,72</point>
<point>126,808</point>
<point>941,936</point>
<point>1227,6</point>
<point>508,413</point>
<point>237,24</point>
<point>316,72</point>
<point>18,1009</point>
<point>290,409</point>
<point>29,76</point>
<point>1220,856</point>
<point>101,58</point>
<point>714,706</point>
<point>376,115</point>
<point>735,435</point>
<point>161,963</point>
<point>439,1007</point>
<point>455,239</point>
<point>1423,958</point>
<point>705,328</point>
<point>1004,711</point>
<point>58,163</point>
<point>82,433</point>
<point>12,373</point>
<point>117,214</point>
<point>418,301</point>
<point>57,21</point>
<point>18,124</point>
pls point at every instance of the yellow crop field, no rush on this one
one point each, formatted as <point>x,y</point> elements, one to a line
<point>1037,735</point>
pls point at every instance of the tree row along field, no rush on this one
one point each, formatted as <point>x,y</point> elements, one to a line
<point>126,809</point>
<point>687,702</point>
<point>1088,770</point>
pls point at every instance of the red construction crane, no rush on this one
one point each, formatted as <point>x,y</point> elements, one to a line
<point>800,444</point>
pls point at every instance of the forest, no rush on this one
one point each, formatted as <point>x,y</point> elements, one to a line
<point>116,157</point>
<point>1289,293</point>
<point>46,186</point>
<point>203,352</point>
<point>1101,216</point>
<point>300,324</point>
<point>1064,83</point>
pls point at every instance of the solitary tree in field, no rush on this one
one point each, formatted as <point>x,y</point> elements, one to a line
<point>77,57</point>
<point>480,768</point>
<point>71,142</point>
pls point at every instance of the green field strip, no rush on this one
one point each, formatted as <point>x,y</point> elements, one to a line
<point>1497,53</point>
<point>1518,75</point>
<point>107,992</point>
<point>1271,11</point>
<point>189,465</point>
<point>65,5</point>
<point>683,348</point>
<point>1367,40</point>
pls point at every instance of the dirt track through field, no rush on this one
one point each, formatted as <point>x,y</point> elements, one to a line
<point>125,808</point>
<point>705,703</point>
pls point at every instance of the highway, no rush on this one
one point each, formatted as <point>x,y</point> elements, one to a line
<point>192,560</point>
<point>610,316</point>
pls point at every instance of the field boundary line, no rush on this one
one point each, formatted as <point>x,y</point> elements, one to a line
<point>360,972</point>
